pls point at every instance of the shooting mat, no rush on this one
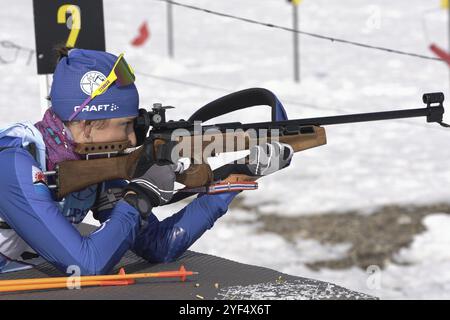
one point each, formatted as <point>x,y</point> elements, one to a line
<point>218,278</point>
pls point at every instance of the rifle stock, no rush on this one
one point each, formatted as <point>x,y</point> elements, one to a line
<point>79,174</point>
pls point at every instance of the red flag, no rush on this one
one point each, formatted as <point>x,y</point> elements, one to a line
<point>440,53</point>
<point>144,34</point>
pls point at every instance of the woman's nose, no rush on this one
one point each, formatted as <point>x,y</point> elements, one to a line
<point>132,138</point>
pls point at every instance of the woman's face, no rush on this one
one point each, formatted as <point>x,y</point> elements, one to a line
<point>117,129</point>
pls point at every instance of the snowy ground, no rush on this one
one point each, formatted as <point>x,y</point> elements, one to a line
<point>364,166</point>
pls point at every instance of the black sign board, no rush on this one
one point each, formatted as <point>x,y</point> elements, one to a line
<point>73,23</point>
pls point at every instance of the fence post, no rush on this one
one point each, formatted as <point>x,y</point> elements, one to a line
<point>169,29</point>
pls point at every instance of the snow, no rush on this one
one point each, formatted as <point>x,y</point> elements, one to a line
<point>431,246</point>
<point>362,167</point>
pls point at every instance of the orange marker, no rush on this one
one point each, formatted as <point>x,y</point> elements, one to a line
<point>103,280</point>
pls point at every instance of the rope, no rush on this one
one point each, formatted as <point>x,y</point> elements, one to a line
<point>192,84</point>
<point>310,34</point>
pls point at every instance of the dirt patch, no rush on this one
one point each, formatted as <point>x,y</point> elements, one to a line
<point>375,238</point>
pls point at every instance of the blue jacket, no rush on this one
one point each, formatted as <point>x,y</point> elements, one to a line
<point>27,205</point>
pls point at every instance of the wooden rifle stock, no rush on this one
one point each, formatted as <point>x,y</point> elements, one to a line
<point>78,174</point>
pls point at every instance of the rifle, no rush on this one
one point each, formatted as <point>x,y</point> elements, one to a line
<point>108,161</point>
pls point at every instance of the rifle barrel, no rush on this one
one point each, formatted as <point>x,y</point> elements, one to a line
<point>433,114</point>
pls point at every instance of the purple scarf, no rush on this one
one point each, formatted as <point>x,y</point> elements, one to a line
<point>59,145</point>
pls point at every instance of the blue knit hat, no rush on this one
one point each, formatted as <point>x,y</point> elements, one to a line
<point>78,75</point>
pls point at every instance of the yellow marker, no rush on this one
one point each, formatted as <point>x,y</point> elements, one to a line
<point>297,2</point>
<point>444,4</point>
<point>76,22</point>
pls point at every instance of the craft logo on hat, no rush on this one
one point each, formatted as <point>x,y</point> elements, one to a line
<point>98,108</point>
<point>90,81</point>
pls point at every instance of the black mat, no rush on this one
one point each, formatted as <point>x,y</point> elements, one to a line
<point>218,278</point>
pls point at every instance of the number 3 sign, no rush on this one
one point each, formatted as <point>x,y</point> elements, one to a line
<point>71,23</point>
